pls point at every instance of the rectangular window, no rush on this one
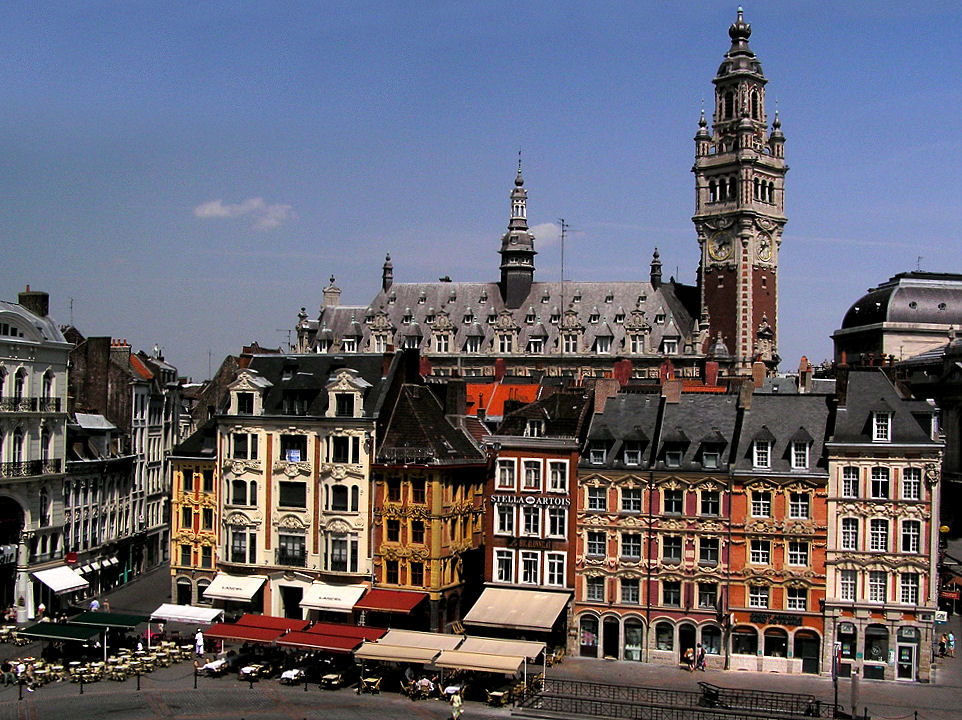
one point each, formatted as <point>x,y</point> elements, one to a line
<point>417,490</point>
<point>761,504</point>
<point>850,478</point>
<point>185,555</point>
<point>555,575</point>
<point>392,576</point>
<point>207,518</point>
<point>291,550</point>
<point>877,582</point>
<point>596,543</point>
<point>799,455</point>
<point>710,459</point>
<point>912,484</point>
<point>707,594</point>
<point>595,589</point>
<point>911,535</point>
<point>504,520</point>
<point>340,449</point>
<point>534,428</point>
<point>596,452</point>
<point>394,490</point>
<point>671,593</point>
<point>849,534</point>
<point>208,481</point>
<point>847,580</point>
<point>708,551</point>
<point>761,552</point>
<point>339,554</point>
<point>245,403</point>
<point>207,556</point>
<point>557,476</point>
<point>878,535</point>
<point>632,453</point>
<point>292,494</point>
<point>710,503</point>
<point>505,344</point>
<point>506,474</point>
<point>631,546</point>
<point>757,596</point>
<point>631,500</point>
<point>557,522</point>
<point>188,481</point>
<point>880,483</point>
<point>597,498</point>
<point>241,450</point>
<point>530,568</point>
<point>532,475</point>
<point>630,591</point>
<point>763,454</point>
<point>671,549</point>
<point>238,546</point>
<point>882,426</point>
<point>417,531</point>
<point>797,552</point>
<point>417,574</point>
<point>393,530</point>
<point>673,457</point>
<point>187,518</point>
<point>673,501</point>
<point>532,521</point>
<point>909,588</point>
<point>504,562</point>
<point>796,599</point>
<point>798,504</point>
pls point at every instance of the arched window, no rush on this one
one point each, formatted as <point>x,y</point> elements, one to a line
<point>744,641</point>
<point>732,194</point>
<point>712,192</point>
<point>20,384</point>
<point>776,642</point>
<point>722,190</point>
<point>47,385</point>
<point>711,639</point>
<point>44,516</point>
<point>589,636</point>
<point>201,586</point>
<point>755,112</point>
<point>355,495</point>
<point>728,105</point>
<point>757,195</point>
<point>634,639</point>
<point>18,440</point>
<point>664,636</point>
<point>45,444</point>
<point>876,644</point>
<point>771,192</point>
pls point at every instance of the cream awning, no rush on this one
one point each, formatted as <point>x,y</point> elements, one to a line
<point>239,588</point>
<point>192,614</point>
<point>333,598</point>
<point>61,579</point>
<point>497,646</point>
<point>395,653</point>
<point>482,662</point>
<point>517,609</point>
<point>415,638</point>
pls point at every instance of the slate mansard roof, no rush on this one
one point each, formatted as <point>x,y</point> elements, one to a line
<point>782,420</point>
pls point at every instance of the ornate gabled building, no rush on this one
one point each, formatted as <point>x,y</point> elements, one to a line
<point>881,592</point>
<point>427,484</point>
<point>740,209</point>
<point>295,444</point>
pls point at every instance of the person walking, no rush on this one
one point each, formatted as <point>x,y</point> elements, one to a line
<point>690,659</point>
<point>700,658</point>
<point>456,705</point>
<point>943,644</point>
<point>199,642</point>
<point>951,639</point>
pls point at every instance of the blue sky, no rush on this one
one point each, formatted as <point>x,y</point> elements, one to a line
<point>190,174</point>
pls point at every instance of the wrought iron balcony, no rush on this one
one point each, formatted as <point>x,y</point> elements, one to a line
<point>30,468</point>
<point>291,558</point>
<point>29,404</point>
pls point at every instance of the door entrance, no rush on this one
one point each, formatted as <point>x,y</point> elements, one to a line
<point>609,642</point>
<point>291,597</point>
<point>686,639</point>
<point>905,669</point>
<point>807,648</point>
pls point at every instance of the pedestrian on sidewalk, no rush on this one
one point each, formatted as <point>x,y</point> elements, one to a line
<point>199,642</point>
<point>690,659</point>
<point>943,644</point>
<point>456,705</point>
<point>700,658</point>
<point>951,639</point>
<point>106,605</point>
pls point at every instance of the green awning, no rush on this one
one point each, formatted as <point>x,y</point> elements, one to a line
<point>110,620</point>
<point>60,631</point>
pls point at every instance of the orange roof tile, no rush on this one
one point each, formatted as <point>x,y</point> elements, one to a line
<point>138,367</point>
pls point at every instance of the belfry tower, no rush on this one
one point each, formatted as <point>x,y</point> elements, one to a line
<point>740,209</point>
<point>517,249</point>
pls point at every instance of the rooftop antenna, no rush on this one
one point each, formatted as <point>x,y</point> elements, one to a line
<point>918,264</point>
<point>71,312</point>
<point>209,355</point>
<point>564,230</point>
<point>288,331</point>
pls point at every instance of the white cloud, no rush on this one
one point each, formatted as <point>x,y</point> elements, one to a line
<point>264,216</point>
<point>546,234</point>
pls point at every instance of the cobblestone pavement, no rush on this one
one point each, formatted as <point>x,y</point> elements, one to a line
<point>170,693</point>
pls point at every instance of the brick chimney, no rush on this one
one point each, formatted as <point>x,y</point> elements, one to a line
<point>36,301</point>
<point>759,371</point>
<point>671,391</point>
<point>120,351</point>
<point>805,372</point>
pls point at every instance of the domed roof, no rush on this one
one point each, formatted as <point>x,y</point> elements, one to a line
<point>912,297</point>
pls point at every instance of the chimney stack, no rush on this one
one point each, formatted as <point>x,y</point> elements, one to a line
<point>36,301</point>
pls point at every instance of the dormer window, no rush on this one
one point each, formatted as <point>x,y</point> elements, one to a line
<point>484,297</point>
<point>472,345</point>
<point>609,298</point>
<point>545,297</point>
<point>442,343</point>
<point>323,346</point>
<point>422,298</point>
<point>596,452</point>
<point>349,345</point>
<point>710,458</point>
<point>534,428</point>
<point>392,298</point>
<point>344,404</point>
<point>412,342</point>
<point>555,317</point>
<point>529,318</point>
<point>535,346</point>
<point>429,318</point>
<point>673,457</point>
<point>762,454</point>
<point>406,319</point>
<point>637,344</point>
<point>633,453</point>
<point>799,455</point>
<point>620,317</point>
<point>245,403</point>
<point>669,346</point>
<point>577,297</point>
<point>468,317</point>
<point>603,345</point>
<point>881,427</point>
<point>594,317</point>
<point>659,318</point>
<point>453,297</point>
<point>491,318</point>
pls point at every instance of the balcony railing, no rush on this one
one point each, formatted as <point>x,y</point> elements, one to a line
<point>291,559</point>
<point>30,468</point>
<point>29,404</point>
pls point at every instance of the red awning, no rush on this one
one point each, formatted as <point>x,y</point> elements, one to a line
<point>316,641</point>
<point>362,632</point>
<point>393,601</point>
<point>272,622</point>
<point>243,633</point>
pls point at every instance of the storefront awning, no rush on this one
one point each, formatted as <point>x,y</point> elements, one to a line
<point>497,646</point>
<point>416,638</point>
<point>110,562</point>
<point>242,633</point>
<point>362,632</point>
<point>272,622</point>
<point>332,598</point>
<point>61,631</point>
<point>317,641</point>
<point>192,614</point>
<point>392,601</point>
<point>61,579</point>
<point>110,620</point>
<point>234,587</point>
<point>517,609</point>
<point>482,662</point>
<point>395,653</point>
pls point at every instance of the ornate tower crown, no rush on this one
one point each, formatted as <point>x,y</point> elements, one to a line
<point>517,248</point>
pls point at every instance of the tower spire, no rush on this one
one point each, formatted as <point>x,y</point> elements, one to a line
<point>517,248</point>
